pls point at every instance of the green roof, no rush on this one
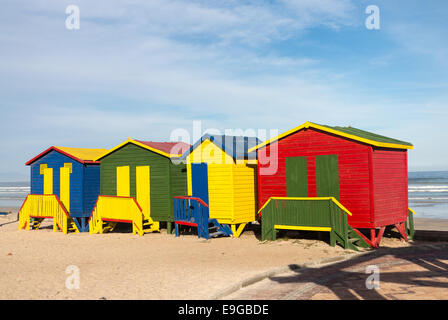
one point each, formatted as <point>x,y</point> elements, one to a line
<point>367,135</point>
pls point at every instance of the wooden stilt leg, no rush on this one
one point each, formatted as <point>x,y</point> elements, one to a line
<point>373,237</point>
<point>400,227</point>
<point>332,239</point>
<point>380,235</point>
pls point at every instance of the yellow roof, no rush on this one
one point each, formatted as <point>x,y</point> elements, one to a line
<point>84,154</point>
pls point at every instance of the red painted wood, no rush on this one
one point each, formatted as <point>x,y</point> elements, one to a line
<point>116,220</point>
<point>40,155</point>
<point>353,161</point>
<point>186,223</point>
<point>390,187</point>
<point>373,181</point>
<point>192,198</point>
<point>380,235</point>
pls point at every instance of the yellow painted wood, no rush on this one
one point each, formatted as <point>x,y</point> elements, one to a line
<point>116,208</point>
<point>244,192</point>
<point>64,173</point>
<point>329,130</point>
<point>308,198</point>
<point>48,181</point>
<point>220,192</point>
<point>123,182</point>
<point>279,226</point>
<point>83,153</point>
<point>45,206</point>
<point>210,153</point>
<point>189,180</point>
<point>42,167</point>
<point>232,185</point>
<point>412,211</point>
<point>143,191</point>
<point>238,231</point>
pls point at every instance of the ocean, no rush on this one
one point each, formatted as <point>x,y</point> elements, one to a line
<point>428,193</point>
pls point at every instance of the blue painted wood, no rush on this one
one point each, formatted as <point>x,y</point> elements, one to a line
<point>91,187</point>
<point>199,181</point>
<point>84,182</point>
<point>191,210</point>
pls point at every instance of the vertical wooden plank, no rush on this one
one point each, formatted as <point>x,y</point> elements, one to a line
<point>327,176</point>
<point>189,181</point>
<point>200,181</point>
<point>48,181</point>
<point>296,177</point>
<point>123,182</point>
<point>65,187</point>
<point>143,193</point>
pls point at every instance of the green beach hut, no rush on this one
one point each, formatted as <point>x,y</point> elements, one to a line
<point>138,179</point>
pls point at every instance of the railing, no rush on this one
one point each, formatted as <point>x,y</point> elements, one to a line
<point>319,214</point>
<point>409,224</point>
<point>116,209</point>
<point>44,206</point>
<point>191,211</point>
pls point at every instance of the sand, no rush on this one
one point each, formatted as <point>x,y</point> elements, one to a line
<point>156,266</point>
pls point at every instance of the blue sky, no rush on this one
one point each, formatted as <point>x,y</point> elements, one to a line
<point>145,68</point>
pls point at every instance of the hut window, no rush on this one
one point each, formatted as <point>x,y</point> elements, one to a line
<point>42,168</point>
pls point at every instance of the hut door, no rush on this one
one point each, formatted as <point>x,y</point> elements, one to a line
<point>123,182</point>
<point>64,191</point>
<point>327,176</point>
<point>143,189</point>
<point>296,177</point>
<point>48,181</point>
<point>199,181</point>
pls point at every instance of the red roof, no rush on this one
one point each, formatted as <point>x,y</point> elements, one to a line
<point>167,147</point>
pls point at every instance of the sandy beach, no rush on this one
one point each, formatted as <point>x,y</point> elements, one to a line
<point>125,266</point>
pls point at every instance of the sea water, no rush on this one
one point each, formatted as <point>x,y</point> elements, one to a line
<point>12,194</point>
<point>428,193</point>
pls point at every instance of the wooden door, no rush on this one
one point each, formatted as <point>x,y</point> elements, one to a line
<point>296,177</point>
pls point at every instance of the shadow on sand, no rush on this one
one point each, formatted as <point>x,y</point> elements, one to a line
<point>347,279</point>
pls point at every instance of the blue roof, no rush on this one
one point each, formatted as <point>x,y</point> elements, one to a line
<point>235,146</point>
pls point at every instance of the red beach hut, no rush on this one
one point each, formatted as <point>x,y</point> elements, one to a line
<point>365,172</point>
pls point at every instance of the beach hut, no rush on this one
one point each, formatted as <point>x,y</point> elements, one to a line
<point>362,174</point>
<point>138,182</point>
<point>222,173</point>
<point>65,183</point>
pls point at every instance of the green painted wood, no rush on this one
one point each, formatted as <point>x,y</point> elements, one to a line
<point>166,178</point>
<point>327,176</point>
<point>296,177</point>
<point>410,225</point>
<point>368,135</point>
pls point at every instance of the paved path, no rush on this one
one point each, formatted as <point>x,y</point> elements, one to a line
<point>418,272</point>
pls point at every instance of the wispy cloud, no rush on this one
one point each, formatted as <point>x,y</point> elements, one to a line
<point>143,68</point>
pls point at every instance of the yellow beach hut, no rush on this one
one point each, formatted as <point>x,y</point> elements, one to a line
<point>222,173</point>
